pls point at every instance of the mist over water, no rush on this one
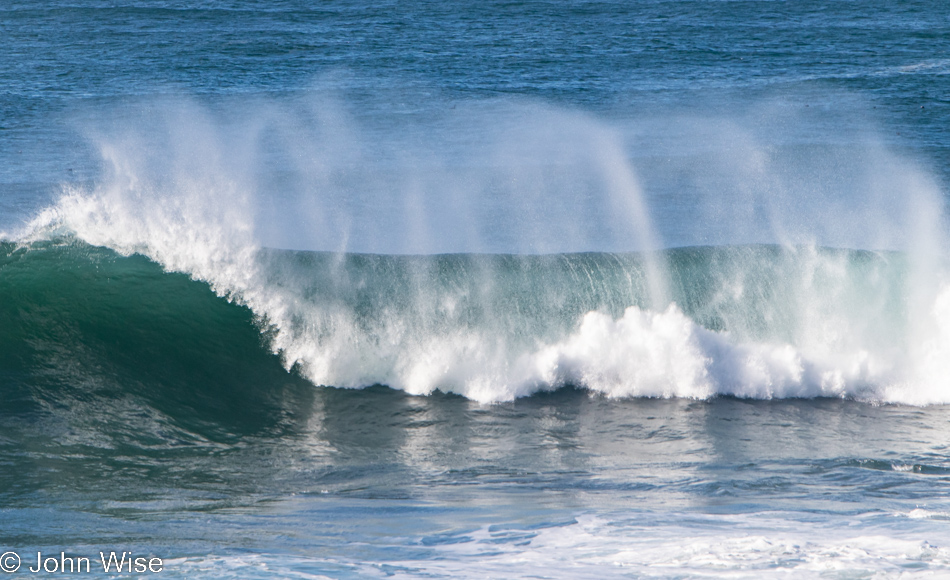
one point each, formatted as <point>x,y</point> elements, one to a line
<point>319,172</point>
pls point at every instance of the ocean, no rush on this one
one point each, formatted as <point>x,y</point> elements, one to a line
<point>540,289</point>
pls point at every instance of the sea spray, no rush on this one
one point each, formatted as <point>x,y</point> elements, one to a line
<point>750,320</point>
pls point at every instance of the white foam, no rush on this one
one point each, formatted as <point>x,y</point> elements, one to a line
<point>668,355</point>
<point>641,354</point>
<point>762,546</point>
<point>199,213</point>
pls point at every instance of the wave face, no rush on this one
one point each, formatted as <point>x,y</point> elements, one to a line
<point>758,321</point>
<point>99,338</point>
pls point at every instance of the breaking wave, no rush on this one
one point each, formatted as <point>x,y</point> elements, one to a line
<point>786,318</point>
<point>750,321</point>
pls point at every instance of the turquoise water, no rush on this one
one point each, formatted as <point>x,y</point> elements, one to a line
<point>516,289</point>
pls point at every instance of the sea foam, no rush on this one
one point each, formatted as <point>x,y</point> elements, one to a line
<point>792,320</point>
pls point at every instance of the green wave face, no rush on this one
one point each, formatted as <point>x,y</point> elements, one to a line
<point>114,342</point>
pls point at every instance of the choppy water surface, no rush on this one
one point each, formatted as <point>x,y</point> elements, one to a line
<point>353,483</point>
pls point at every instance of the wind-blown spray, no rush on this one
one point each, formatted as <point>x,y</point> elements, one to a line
<point>432,263</point>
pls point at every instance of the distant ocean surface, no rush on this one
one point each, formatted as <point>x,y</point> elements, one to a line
<point>645,289</point>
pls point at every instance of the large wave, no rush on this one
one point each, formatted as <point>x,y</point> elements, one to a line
<point>787,319</point>
<point>749,321</point>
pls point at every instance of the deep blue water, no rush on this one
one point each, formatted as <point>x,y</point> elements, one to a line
<point>502,289</point>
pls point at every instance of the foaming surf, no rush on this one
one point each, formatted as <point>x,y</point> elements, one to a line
<point>396,286</point>
<point>766,545</point>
